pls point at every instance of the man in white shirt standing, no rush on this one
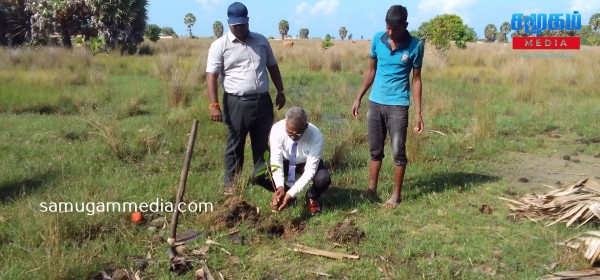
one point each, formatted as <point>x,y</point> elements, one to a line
<point>297,147</point>
<point>244,60</point>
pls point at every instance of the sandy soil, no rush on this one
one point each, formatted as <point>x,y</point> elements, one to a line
<point>565,162</point>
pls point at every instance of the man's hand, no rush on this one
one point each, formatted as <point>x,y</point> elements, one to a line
<point>215,114</point>
<point>285,202</point>
<point>280,100</point>
<point>277,198</point>
<point>419,127</point>
<point>355,108</point>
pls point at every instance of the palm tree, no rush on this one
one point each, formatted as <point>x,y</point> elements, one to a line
<point>595,22</point>
<point>505,27</point>
<point>121,22</point>
<point>490,32</point>
<point>504,30</point>
<point>304,33</point>
<point>15,23</point>
<point>343,31</point>
<point>284,27</point>
<point>50,16</point>
<point>218,29</point>
<point>189,21</point>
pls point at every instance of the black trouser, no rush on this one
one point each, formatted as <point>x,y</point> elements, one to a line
<point>245,114</point>
<point>321,181</point>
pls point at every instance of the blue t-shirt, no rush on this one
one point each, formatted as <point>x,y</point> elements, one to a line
<point>391,85</point>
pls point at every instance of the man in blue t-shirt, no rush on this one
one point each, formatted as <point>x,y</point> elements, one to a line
<point>394,53</point>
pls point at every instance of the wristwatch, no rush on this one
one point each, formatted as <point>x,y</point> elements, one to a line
<point>281,92</point>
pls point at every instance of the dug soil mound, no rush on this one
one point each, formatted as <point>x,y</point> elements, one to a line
<point>237,211</point>
<point>345,232</point>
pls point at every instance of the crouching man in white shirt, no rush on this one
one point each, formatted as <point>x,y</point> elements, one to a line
<point>297,147</point>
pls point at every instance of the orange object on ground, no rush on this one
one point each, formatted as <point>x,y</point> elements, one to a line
<point>136,217</point>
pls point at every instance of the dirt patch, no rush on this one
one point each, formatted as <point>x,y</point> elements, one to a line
<point>238,211</point>
<point>565,160</point>
<point>345,232</point>
<point>235,212</point>
<point>276,228</point>
<point>533,171</point>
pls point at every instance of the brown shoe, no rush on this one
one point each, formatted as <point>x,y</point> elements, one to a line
<point>313,206</point>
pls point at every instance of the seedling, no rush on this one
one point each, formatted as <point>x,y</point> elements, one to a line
<point>268,169</point>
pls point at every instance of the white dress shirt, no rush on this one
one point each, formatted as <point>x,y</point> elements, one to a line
<point>309,151</point>
<point>242,65</point>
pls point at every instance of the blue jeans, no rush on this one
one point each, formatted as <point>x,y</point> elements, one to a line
<point>382,119</point>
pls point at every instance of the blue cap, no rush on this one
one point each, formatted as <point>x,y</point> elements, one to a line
<point>237,14</point>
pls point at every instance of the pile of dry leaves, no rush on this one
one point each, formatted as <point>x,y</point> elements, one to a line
<point>576,202</point>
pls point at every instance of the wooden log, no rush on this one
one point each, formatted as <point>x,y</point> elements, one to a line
<point>323,253</point>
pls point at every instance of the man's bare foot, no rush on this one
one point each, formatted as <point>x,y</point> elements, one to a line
<point>392,203</point>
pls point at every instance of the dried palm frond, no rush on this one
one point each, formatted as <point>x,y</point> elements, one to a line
<point>576,202</point>
<point>589,242</point>
<point>587,273</point>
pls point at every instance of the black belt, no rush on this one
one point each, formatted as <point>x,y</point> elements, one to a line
<point>250,97</point>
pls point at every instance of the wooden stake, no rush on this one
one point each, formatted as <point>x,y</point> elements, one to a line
<point>323,253</point>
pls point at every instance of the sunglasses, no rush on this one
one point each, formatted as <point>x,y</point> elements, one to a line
<point>292,134</point>
<point>296,134</point>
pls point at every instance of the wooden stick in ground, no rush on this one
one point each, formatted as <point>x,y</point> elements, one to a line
<point>323,253</point>
<point>182,182</point>
<point>206,271</point>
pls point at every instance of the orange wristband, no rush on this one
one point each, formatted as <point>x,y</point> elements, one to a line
<point>211,105</point>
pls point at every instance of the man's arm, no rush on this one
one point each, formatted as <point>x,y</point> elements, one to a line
<point>276,157</point>
<point>417,91</point>
<point>315,154</point>
<point>367,82</point>
<point>276,77</point>
<point>211,85</point>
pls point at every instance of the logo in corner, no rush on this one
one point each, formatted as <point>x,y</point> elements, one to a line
<point>534,24</point>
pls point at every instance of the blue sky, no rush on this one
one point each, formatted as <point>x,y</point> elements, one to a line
<point>361,18</point>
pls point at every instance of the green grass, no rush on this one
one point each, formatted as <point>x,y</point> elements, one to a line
<point>82,128</point>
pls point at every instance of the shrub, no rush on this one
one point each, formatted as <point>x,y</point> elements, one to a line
<point>145,50</point>
<point>326,44</point>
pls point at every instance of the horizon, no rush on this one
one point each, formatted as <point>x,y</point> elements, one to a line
<point>323,17</point>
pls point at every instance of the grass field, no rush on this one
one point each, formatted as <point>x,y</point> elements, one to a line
<point>81,128</point>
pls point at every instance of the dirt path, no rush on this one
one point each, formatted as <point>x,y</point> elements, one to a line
<point>565,162</point>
